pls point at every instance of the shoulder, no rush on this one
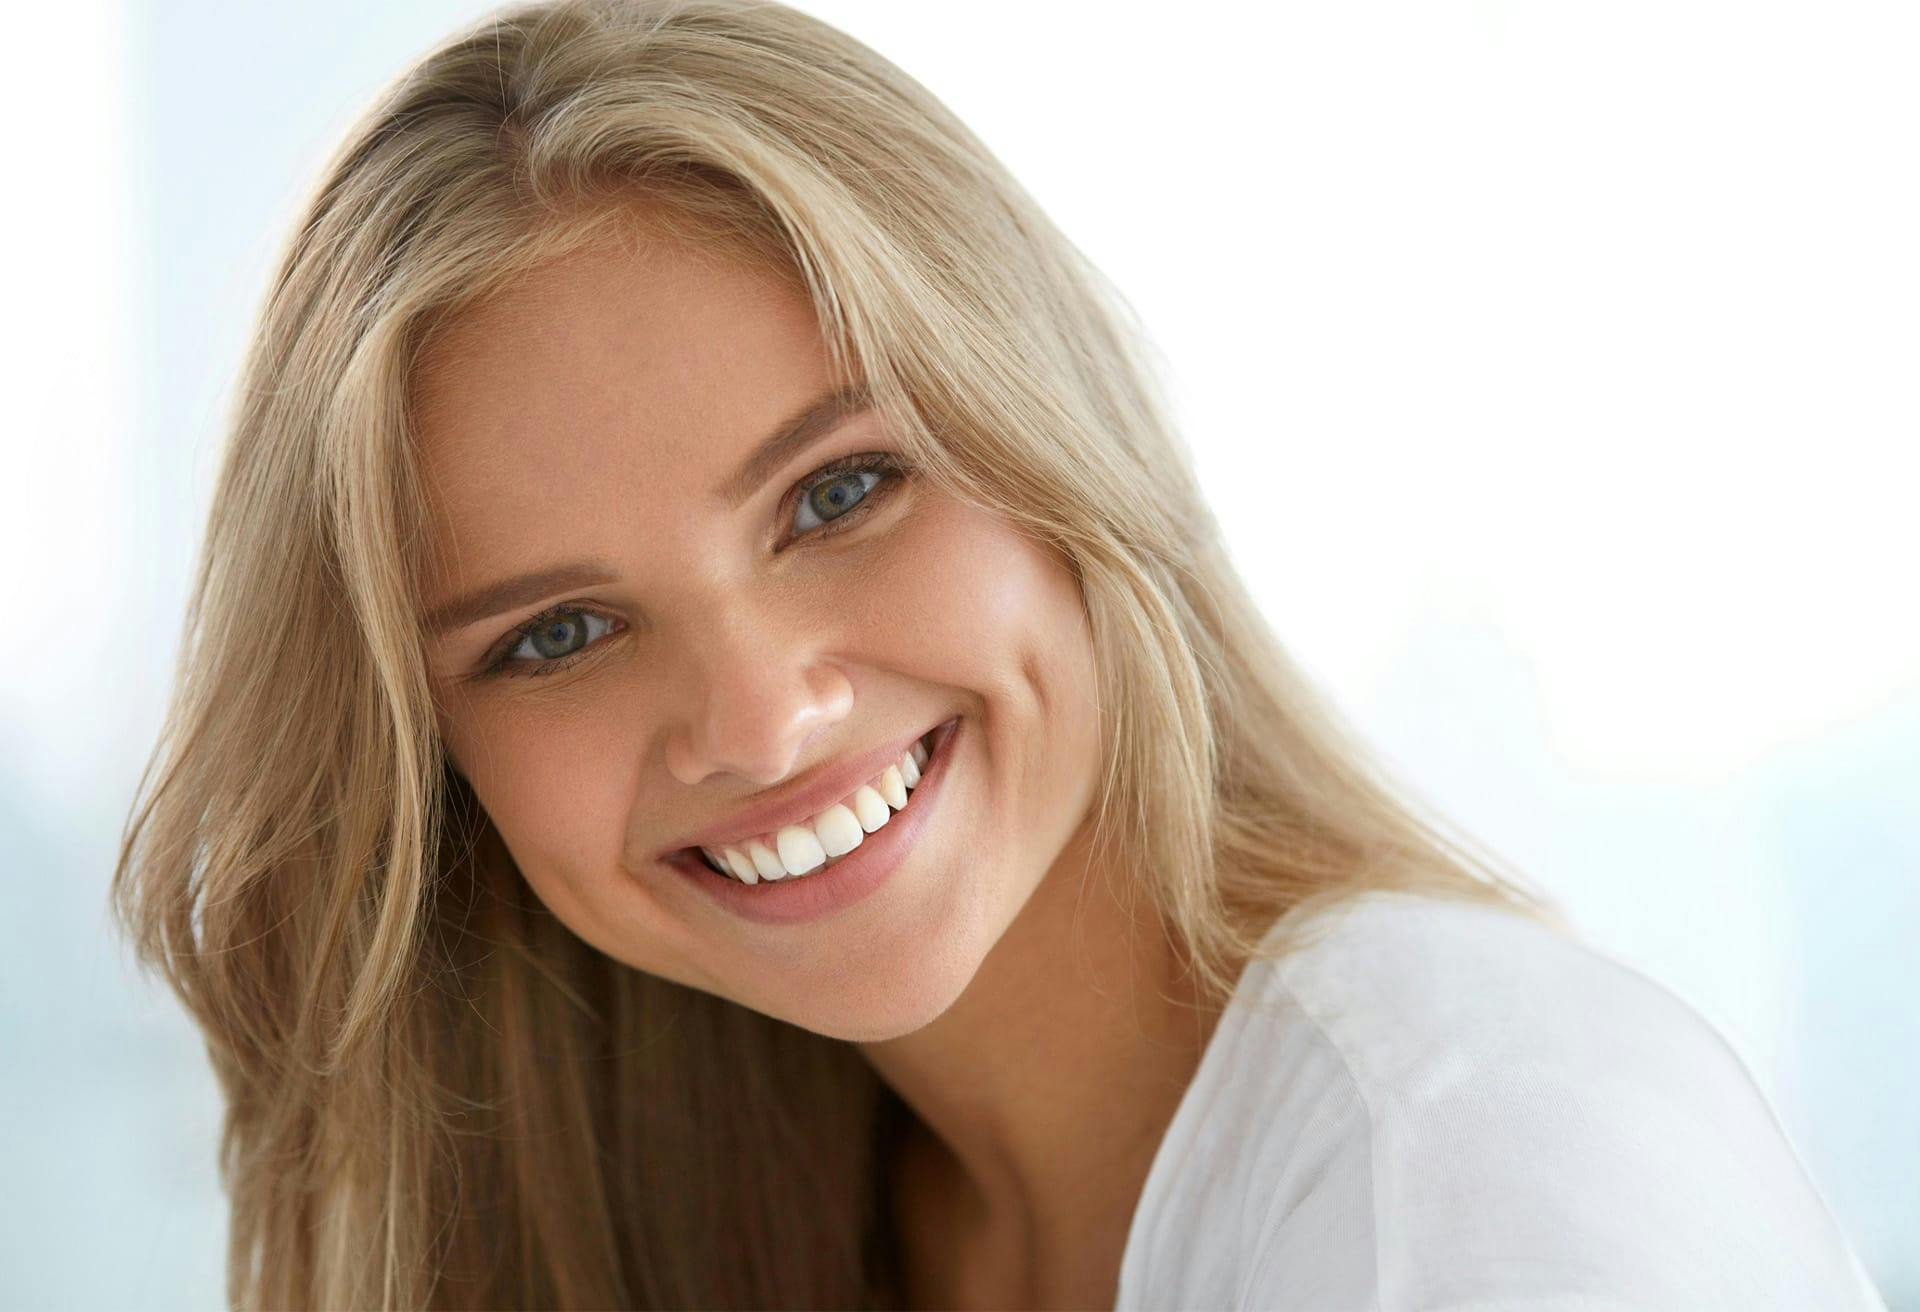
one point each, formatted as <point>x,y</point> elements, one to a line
<point>1438,1104</point>
<point>1546,1121</point>
<point>1415,991</point>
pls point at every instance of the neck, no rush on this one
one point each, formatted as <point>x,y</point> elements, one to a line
<point>1041,1097</point>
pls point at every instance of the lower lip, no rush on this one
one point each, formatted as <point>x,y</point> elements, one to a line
<point>801,898</point>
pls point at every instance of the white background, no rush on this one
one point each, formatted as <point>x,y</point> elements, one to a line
<point>1552,368</point>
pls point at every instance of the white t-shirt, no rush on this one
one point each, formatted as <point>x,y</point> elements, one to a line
<point>1447,1106</point>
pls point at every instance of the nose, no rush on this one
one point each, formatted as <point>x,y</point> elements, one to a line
<point>754,700</point>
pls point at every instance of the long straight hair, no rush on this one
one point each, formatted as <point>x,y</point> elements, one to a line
<point>435,1094</point>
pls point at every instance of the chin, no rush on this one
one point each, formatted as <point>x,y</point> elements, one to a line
<point>876,1008</point>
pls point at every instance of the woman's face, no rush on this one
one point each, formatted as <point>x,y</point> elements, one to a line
<point>732,652</point>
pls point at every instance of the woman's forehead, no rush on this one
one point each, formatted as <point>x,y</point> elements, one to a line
<point>604,387</point>
<point>660,355</point>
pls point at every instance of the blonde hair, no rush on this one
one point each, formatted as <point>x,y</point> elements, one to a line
<point>436,1095</point>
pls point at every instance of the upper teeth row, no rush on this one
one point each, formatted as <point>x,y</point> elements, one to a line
<point>801,849</point>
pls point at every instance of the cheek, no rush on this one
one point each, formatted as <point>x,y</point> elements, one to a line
<point>557,783</point>
<point>980,608</point>
<point>997,612</point>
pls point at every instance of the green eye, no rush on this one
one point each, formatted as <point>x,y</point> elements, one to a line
<point>561,635</point>
<point>839,490</point>
<point>555,640</point>
<point>833,498</point>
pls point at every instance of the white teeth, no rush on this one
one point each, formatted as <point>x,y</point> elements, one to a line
<point>870,808</point>
<point>765,860</point>
<point>741,867</point>
<point>892,786</point>
<point>838,829</point>
<point>800,849</point>
<point>804,848</point>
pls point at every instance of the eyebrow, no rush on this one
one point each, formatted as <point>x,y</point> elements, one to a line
<point>808,425</point>
<point>800,430</point>
<point>511,594</point>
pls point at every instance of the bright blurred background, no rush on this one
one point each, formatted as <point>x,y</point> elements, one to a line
<point>1554,368</point>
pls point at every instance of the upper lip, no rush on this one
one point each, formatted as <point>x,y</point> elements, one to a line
<point>801,800</point>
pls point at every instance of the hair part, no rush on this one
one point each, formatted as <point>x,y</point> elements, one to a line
<point>437,1095</point>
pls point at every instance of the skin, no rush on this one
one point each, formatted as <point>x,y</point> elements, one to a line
<point>1042,1040</point>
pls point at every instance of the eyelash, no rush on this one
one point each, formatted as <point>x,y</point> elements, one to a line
<point>890,468</point>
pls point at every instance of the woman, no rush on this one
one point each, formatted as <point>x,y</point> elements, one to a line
<point>721,762</point>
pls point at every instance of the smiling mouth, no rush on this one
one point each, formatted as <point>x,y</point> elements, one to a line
<point>806,847</point>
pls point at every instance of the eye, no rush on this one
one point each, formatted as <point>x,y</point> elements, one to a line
<point>832,497</point>
<point>838,491</point>
<point>556,637</point>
